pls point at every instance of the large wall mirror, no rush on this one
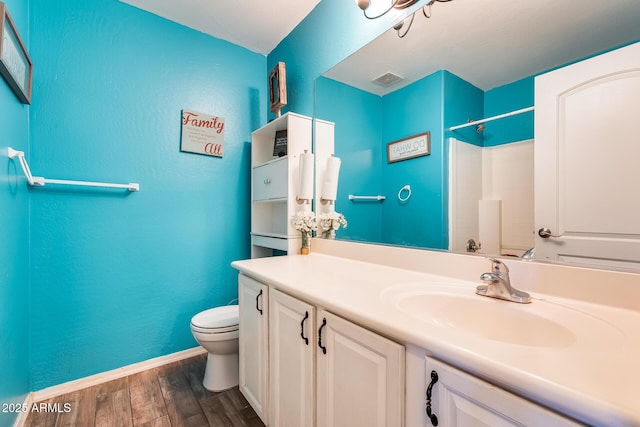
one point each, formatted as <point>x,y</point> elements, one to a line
<point>468,61</point>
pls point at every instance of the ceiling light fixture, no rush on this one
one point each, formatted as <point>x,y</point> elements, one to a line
<point>397,4</point>
<point>426,11</point>
<point>400,4</point>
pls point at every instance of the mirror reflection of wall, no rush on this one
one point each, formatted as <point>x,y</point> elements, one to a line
<point>366,122</point>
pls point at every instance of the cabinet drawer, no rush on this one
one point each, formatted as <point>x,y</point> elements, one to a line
<point>270,181</point>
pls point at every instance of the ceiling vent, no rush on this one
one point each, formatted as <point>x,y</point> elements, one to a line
<point>387,79</point>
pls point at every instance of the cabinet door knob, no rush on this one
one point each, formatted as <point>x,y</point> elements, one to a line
<point>324,323</point>
<point>267,180</point>
<point>305,339</point>
<point>432,416</point>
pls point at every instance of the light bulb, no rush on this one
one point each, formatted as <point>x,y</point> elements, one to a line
<point>363,4</point>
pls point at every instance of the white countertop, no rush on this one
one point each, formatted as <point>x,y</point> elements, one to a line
<point>595,379</point>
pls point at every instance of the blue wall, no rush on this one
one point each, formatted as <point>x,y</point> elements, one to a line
<point>14,238</point>
<point>503,99</point>
<point>357,115</point>
<point>462,102</point>
<point>116,276</point>
<point>420,221</point>
<point>365,123</point>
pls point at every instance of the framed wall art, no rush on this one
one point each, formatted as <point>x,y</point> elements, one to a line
<point>278,88</point>
<point>202,133</point>
<point>408,148</point>
<point>15,64</point>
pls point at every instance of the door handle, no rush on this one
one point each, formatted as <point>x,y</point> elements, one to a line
<point>545,233</point>
<point>324,323</point>
<point>257,302</point>
<point>305,339</point>
<point>432,417</point>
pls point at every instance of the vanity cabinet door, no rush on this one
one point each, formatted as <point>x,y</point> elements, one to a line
<point>253,343</point>
<point>360,376</point>
<point>291,361</point>
<point>460,399</point>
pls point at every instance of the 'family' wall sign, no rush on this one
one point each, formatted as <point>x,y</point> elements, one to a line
<point>202,133</point>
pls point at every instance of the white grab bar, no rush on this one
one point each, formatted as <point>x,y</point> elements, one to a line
<point>41,181</point>
<point>378,198</point>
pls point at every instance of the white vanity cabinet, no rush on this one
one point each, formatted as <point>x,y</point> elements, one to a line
<point>455,398</point>
<point>322,369</point>
<point>253,301</point>
<point>274,183</point>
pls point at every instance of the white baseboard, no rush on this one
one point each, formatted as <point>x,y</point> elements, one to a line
<point>103,377</point>
<point>22,416</point>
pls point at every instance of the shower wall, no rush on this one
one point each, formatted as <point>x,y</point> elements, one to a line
<point>492,186</point>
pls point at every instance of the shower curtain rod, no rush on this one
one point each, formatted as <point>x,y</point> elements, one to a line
<point>41,181</point>
<point>488,119</point>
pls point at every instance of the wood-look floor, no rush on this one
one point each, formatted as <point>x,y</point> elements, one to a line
<point>171,395</point>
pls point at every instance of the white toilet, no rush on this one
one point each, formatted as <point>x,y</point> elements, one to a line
<point>216,330</point>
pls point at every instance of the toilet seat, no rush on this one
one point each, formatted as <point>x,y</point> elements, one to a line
<point>216,320</point>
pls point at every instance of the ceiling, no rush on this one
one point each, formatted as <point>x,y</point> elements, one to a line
<point>490,43</point>
<point>256,25</point>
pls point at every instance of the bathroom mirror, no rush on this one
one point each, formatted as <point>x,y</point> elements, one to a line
<point>469,60</point>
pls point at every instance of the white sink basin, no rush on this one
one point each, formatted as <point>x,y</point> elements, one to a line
<point>538,324</point>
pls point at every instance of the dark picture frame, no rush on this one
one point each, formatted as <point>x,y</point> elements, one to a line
<point>15,64</point>
<point>278,88</point>
<point>280,144</point>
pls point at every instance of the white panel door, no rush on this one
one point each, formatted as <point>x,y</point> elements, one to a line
<point>253,343</point>
<point>360,376</point>
<point>587,170</point>
<point>291,367</point>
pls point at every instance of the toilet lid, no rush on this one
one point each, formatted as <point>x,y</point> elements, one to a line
<point>216,318</point>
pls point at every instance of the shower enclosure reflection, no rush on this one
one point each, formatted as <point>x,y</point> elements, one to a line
<point>491,197</point>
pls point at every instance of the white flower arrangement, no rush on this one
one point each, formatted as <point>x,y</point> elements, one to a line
<point>304,222</point>
<point>330,222</point>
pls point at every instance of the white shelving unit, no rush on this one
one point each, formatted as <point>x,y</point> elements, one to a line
<point>274,185</point>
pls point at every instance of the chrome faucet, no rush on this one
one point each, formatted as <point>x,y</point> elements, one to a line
<point>498,285</point>
<point>528,254</point>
